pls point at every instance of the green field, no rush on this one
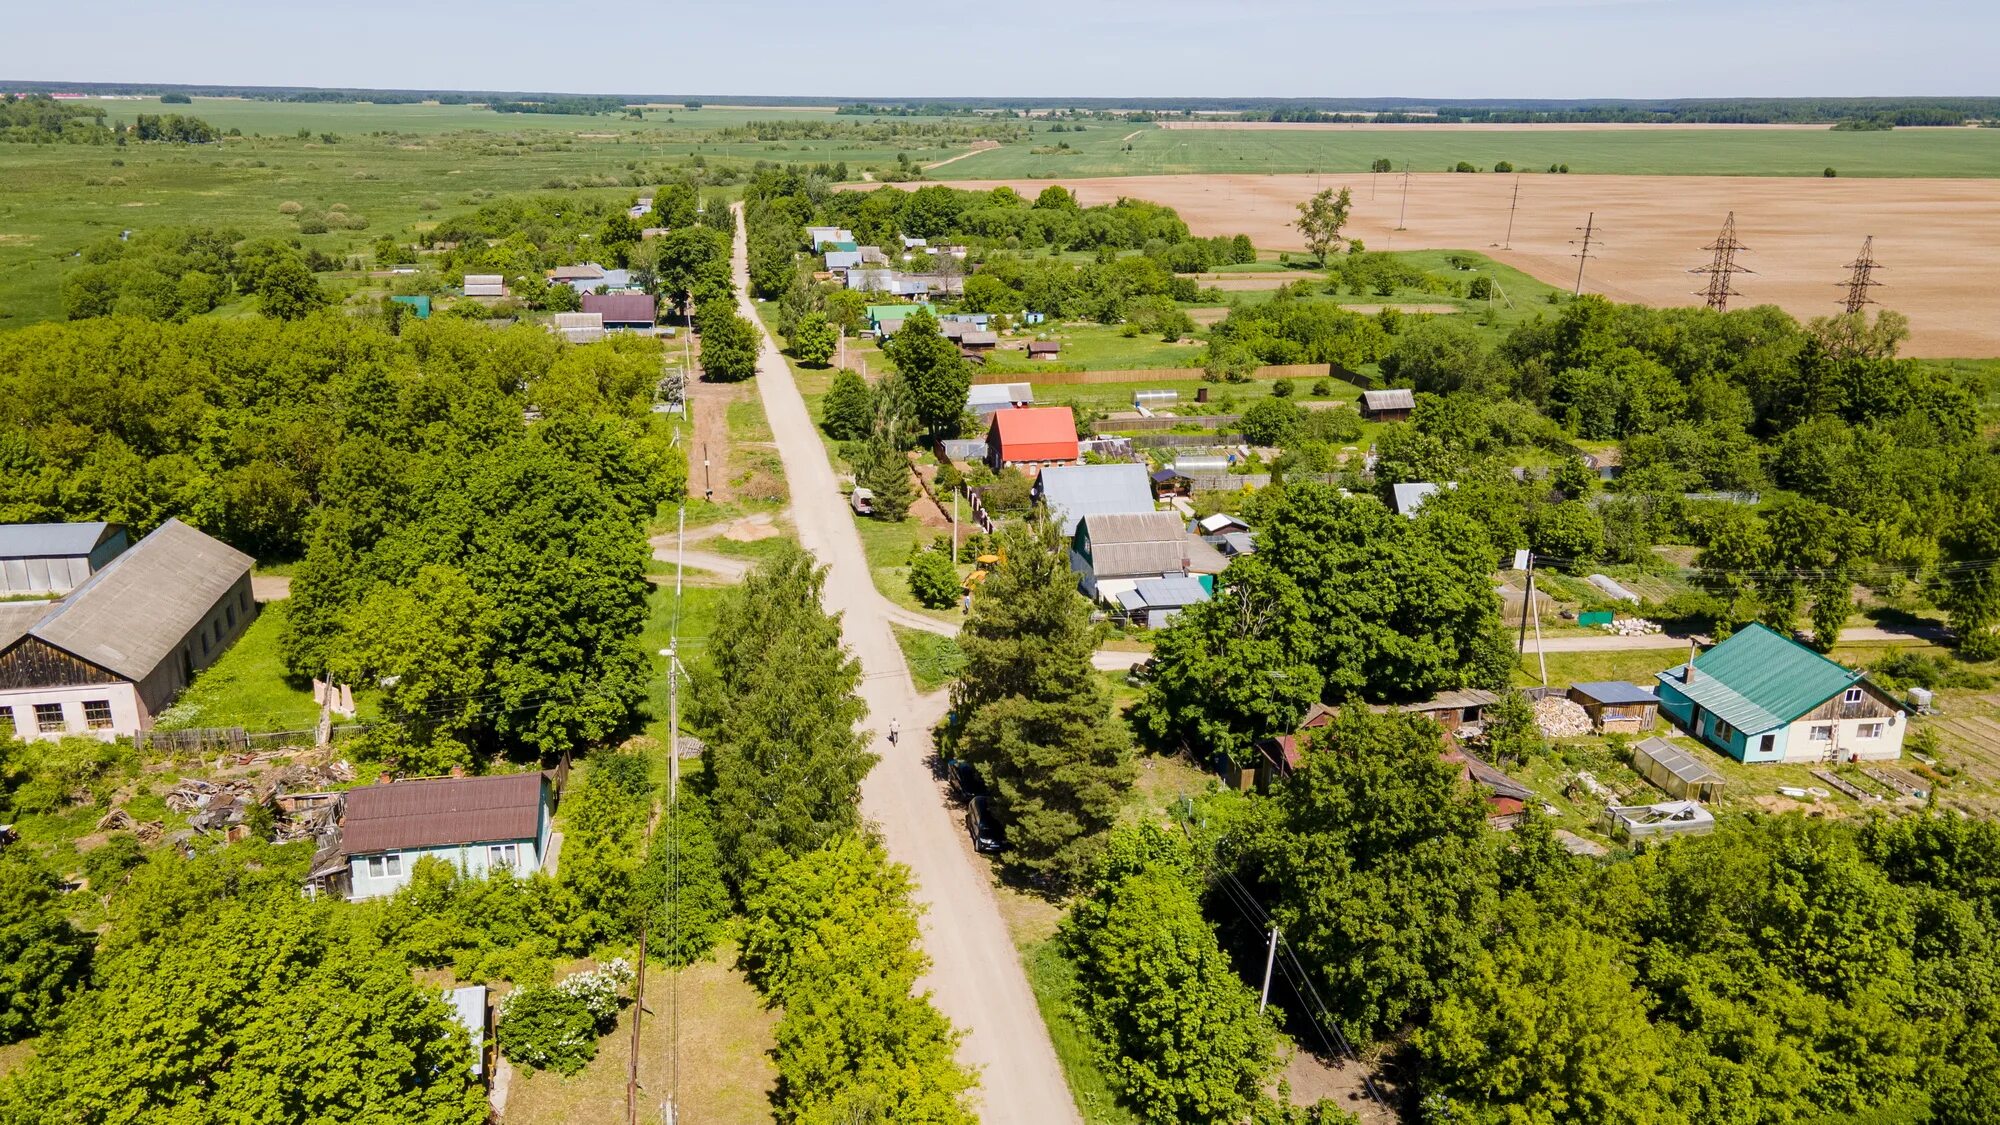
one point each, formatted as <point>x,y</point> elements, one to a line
<point>1101,150</point>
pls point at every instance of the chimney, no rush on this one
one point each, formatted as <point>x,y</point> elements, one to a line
<point>458,771</point>
<point>384,778</point>
<point>1687,676</point>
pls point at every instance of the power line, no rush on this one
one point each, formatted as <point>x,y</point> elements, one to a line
<point>1582,256</point>
<point>1722,267</point>
<point>1861,278</point>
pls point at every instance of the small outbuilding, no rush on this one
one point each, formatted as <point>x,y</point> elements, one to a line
<point>468,1006</point>
<point>1676,771</point>
<point>984,399</point>
<point>54,558</point>
<point>580,327</point>
<point>485,285</point>
<point>1043,349</point>
<point>1616,707</point>
<point>1388,406</point>
<point>1155,602</point>
<point>1410,497</point>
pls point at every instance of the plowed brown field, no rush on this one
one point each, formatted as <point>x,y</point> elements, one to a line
<point>1935,239</point>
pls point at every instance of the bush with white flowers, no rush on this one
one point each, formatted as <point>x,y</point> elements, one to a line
<point>556,1027</point>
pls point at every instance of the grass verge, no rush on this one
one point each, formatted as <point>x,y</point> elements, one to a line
<point>934,660</point>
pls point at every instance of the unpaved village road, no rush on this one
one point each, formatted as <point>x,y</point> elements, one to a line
<point>976,977</point>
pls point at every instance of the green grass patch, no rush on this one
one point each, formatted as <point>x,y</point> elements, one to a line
<point>1101,150</point>
<point>934,660</point>
<point>250,688</point>
<point>1053,978</point>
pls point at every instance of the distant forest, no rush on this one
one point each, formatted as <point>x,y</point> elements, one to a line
<point>1733,111</point>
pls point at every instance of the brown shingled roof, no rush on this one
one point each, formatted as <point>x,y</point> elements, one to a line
<point>428,814</point>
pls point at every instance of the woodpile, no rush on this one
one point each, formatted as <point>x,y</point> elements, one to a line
<point>1561,718</point>
<point>1633,627</point>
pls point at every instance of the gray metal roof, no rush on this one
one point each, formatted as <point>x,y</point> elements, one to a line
<point>1071,492</point>
<point>1239,543</point>
<point>1164,593</point>
<point>468,1006</point>
<point>999,394</point>
<point>1222,521</point>
<point>1401,399</point>
<point>1615,691</point>
<point>130,616</point>
<point>50,540</point>
<point>1410,497</point>
<point>1129,545</point>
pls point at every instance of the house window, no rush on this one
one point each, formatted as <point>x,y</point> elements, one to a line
<point>1822,732</point>
<point>6,722</point>
<point>380,866</point>
<point>232,616</point>
<point>1767,744</point>
<point>97,714</point>
<point>1853,695</point>
<point>1870,730</point>
<point>501,855</point>
<point>1723,730</point>
<point>49,718</point>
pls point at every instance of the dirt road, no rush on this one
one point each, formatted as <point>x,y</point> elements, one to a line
<point>976,977</point>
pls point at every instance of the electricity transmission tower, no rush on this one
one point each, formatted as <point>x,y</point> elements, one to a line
<point>1862,279</point>
<point>1722,268</point>
<point>1582,255</point>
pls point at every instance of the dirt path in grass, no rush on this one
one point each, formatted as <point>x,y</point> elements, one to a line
<point>977,148</point>
<point>976,978</point>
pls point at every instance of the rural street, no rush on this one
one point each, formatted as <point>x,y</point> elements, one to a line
<point>976,978</point>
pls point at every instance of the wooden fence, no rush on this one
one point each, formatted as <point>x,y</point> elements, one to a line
<point>205,740</point>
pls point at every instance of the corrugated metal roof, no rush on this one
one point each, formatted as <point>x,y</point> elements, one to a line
<point>1071,492</point>
<point>1166,593</point>
<point>579,320</point>
<point>130,616</point>
<point>1615,691</point>
<point>1759,679</point>
<point>1402,399</point>
<point>1124,545</point>
<point>1036,433</point>
<point>468,1005</point>
<point>999,394</point>
<point>50,540</point>
<point>621,308</point>
<point>442,812</point>
<point>843,259</point>
<point>582,271</point>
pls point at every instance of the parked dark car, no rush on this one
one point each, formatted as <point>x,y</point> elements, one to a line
<point>965,780</point>
<point>984,830</point>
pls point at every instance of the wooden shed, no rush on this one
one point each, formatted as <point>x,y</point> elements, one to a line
<point>1616,707</point>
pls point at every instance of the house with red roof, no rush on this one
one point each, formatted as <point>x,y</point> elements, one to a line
<point>1031,438</point>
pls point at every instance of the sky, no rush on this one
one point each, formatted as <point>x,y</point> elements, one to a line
<point>1032,48</point>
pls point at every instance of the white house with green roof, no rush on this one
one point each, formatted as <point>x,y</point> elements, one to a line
<point>1762,697</point>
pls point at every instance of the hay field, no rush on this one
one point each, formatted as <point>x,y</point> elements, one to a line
<point>1930,235</point>
<point>1113,148</point>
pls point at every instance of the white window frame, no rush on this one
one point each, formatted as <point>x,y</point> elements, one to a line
<point>106,723</point>
<point>1853,695</point>
<point>42,720</point>
<point>1820,732</point>
<point>503,855</point>
<point>1869,730</point>
<point>385,866</point>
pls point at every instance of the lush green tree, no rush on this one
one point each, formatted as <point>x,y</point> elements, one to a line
<point>1321,219</point>
<point>1440,356</point>
<point>42,956</point>
<point>847,413</point>
<point>813,340</point>
<point>1377,868</point>
<point>687,266</point>
<point>728,343</point>
<point>261,1004</point>
<point>1971,587</point>
<point>429,642</point>
<point>1271,421</point>
<point>1234,669</point>
<point>1031,712</point>
<point>287,290</point>
<point>1511,731</point>
<point>1569,534</point>
<point>831,936</point>
<point>882,469</point>
<point>933,580</point>
<point>1546,1027</point>
<point>681,888</point>
<point>785,761</point>
<point>1180,1033</point>
<point>937,375</point>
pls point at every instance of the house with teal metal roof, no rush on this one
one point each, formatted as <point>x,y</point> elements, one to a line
<point>1762,697</point>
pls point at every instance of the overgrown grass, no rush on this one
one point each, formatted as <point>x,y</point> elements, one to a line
<point>934,660</point>
<point>1053,978</point>
<point>250,688</point>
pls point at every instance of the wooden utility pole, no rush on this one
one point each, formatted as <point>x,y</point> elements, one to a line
<point>1511,207</point>
<point>638,1014</point>
<point>1589,229</point>
<point>1404,211</point>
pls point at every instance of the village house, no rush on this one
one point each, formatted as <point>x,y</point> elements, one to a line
<point>822,235</point>
<point>1032,438</point>
<point>984,399</point>
<point>478,825</point>
<point>633,312</point>
<point>1044,349</point>
<point>114,653</point>
<point>840,261</point>
<point>1387,406</point>
<point>1762,697</point>
<point>41,559</point>
<point>580,327</point>
<point>485,285</point>
<point>1070,492</point>
<point>1113,552</point>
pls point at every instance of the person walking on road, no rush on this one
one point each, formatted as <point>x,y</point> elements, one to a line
<point>895,728</point>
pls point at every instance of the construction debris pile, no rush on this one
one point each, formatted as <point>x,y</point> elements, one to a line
<point>118,820</point>
<point>1633,627</point>
<point>300,800</point>
<point>1561,718</point>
